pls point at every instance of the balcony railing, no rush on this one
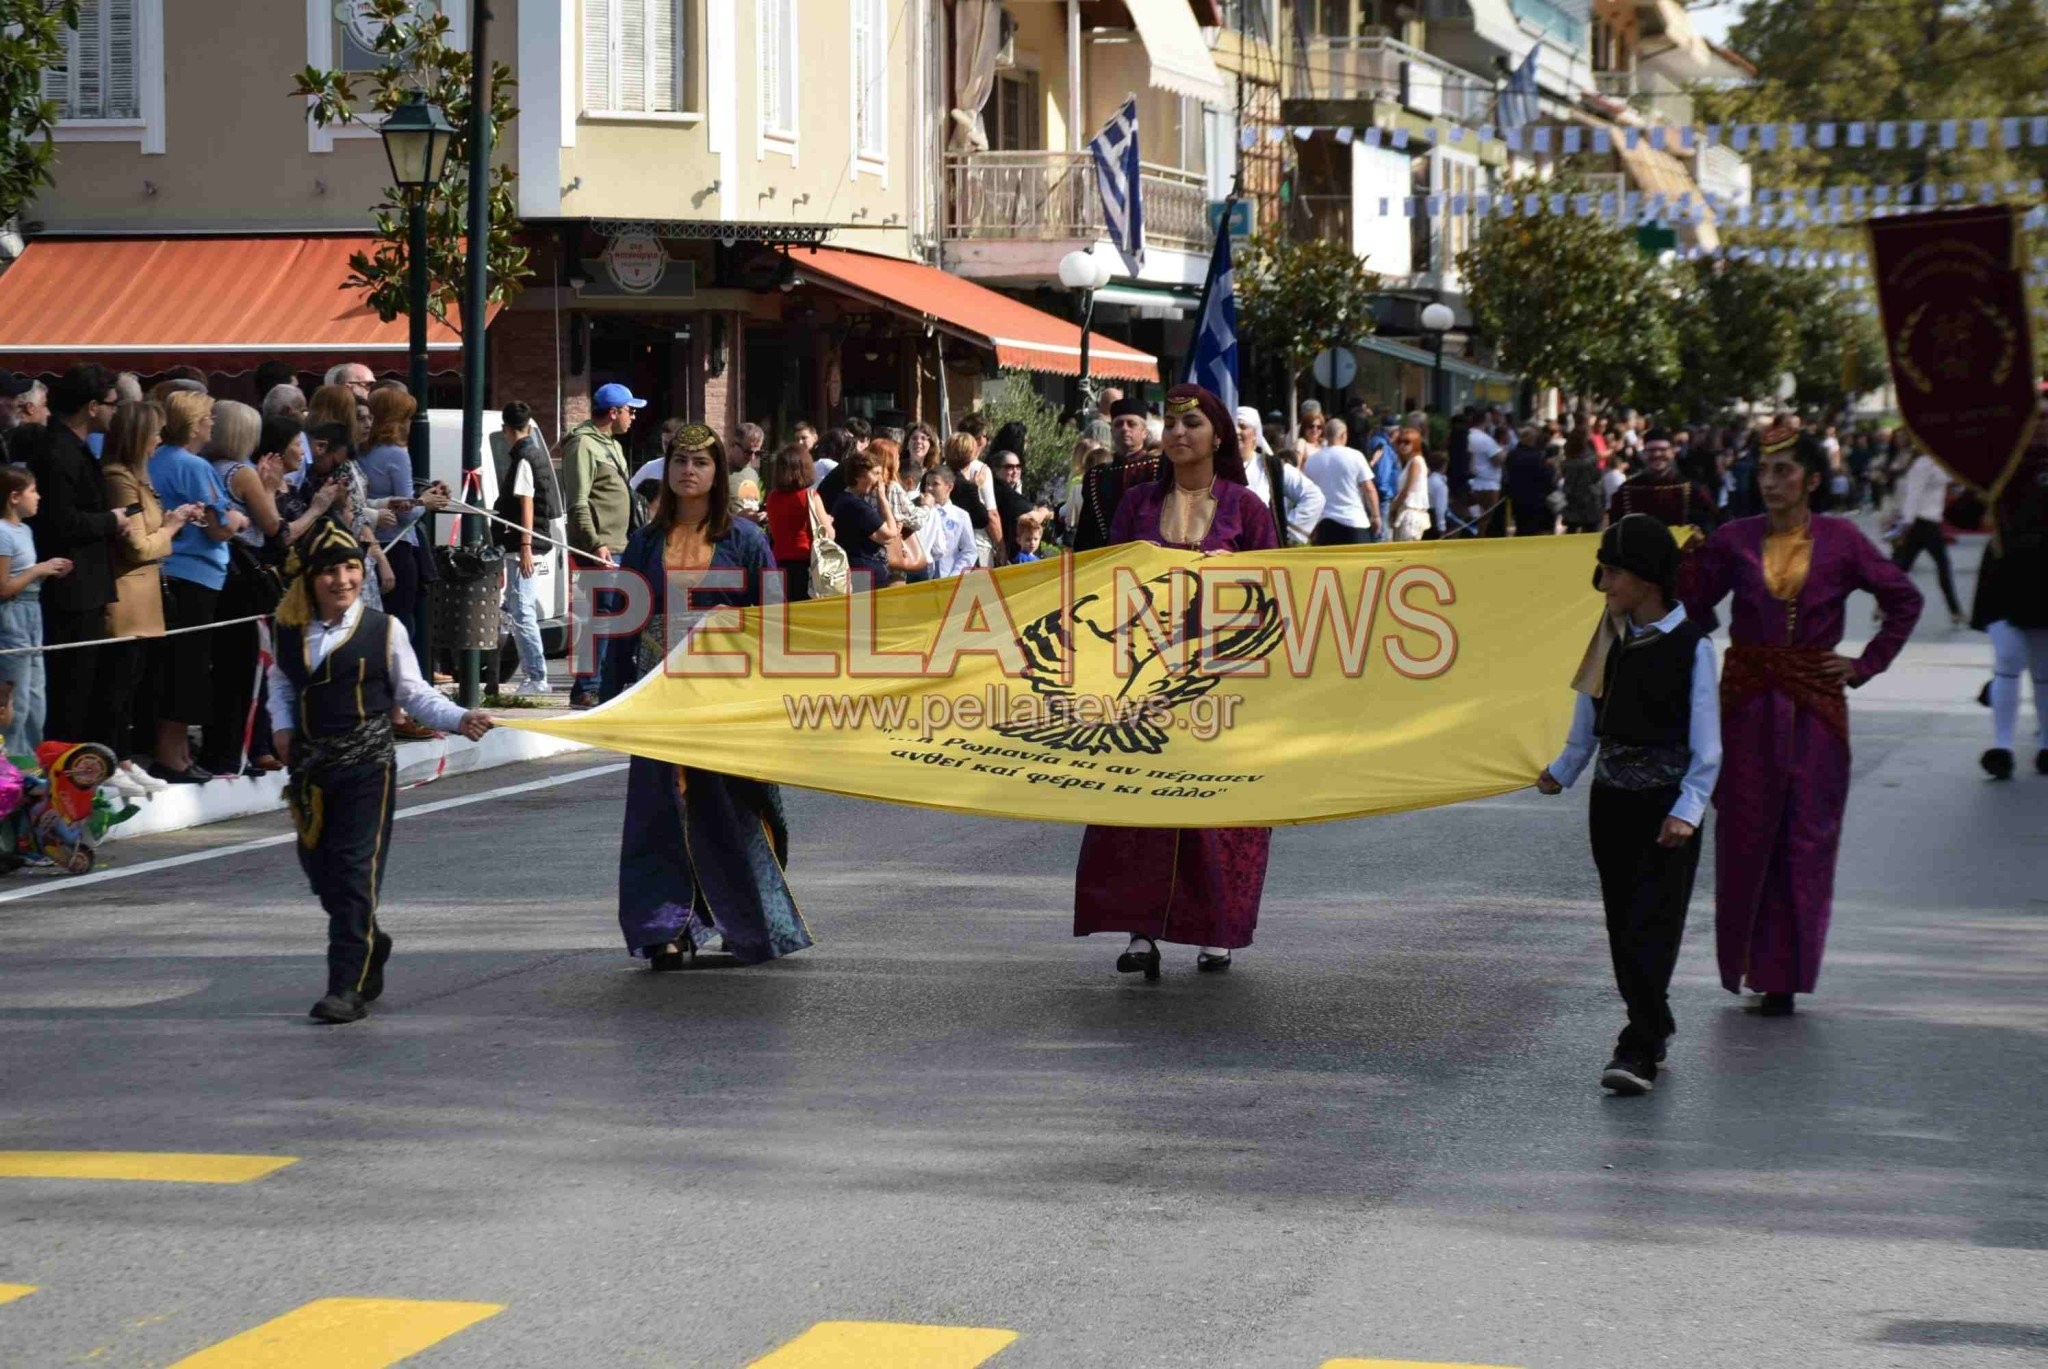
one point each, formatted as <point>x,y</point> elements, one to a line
<point>1388,69</point>
<point>1616,85</point>
<point>1052,197</point>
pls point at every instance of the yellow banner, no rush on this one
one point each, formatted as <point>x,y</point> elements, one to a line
<point>1137,686</point>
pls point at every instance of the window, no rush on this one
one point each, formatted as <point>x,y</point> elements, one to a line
<point>343,34</point>
<point>1015,102</point>
<point>778,72</point>
<point>99,76</point>
<point>635,56</point>
<point>870,83</point>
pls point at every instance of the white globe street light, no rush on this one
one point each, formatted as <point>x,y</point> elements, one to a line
<point>1437,319</point>
<point>1082,270</point>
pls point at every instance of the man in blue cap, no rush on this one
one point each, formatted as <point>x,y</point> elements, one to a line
<point>597,492</point>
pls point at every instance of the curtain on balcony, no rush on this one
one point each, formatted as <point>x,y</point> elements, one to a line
<point>977,36</point>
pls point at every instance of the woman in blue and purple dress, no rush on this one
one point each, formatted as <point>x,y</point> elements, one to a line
<point>1192,886</point>
<point>702,854</point>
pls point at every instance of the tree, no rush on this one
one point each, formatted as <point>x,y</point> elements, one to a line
<point>1048,445</point>
<point>418,57</point>
<point>1735,333</point>
<point>31,42</point>
<point>1837,352</point>
<point>1300,297</point>
<point>1572,302</point>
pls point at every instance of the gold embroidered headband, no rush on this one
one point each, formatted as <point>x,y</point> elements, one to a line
<point>693,437</point>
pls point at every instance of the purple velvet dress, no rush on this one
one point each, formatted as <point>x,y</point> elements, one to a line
<point>1785,742</point>
<point>1197,886</point>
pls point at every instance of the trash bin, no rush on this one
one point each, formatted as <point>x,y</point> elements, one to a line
<point>466,597</point>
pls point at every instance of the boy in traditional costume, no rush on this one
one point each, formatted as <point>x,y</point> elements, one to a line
<point>1785,714</point>
<point>341,668</point>
<point>1650,711</point>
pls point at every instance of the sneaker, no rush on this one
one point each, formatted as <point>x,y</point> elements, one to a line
<point>125,787</point>
<point>140,777</point>
<point>538,686</point>
<point>1631,1073</point>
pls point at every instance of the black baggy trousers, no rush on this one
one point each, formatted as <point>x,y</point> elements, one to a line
<point>343,817</point>
<point>1646,888</point>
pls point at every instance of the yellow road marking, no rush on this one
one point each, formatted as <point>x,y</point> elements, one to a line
<point>886,1345</point>
<point>343,1333</point>
<point>15,1292</point>
<point>1402,1364</point>
<point>165,1167</point>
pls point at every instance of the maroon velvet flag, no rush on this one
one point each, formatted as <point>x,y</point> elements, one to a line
<point>1953,298</point>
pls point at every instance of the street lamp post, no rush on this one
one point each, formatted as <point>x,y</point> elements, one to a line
<point>1437,319</point>
<point>416,141</point>
<point>1084,271</point>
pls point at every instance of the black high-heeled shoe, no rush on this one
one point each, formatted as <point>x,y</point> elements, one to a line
<point>1135,961</point>
<point>1212,964</point>
<point>673,956</point>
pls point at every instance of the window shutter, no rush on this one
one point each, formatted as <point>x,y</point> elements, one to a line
<point>597,54</point>
<point>772,75</point>
<point>632,73</point>
<point>662,53</point>
<point>863,75</point>
<point>89,80</point>
<point>121,89</point>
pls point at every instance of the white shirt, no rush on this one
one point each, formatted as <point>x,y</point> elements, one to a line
<point>824,466</point>
<point>1611,480</point>
<point>427,705</point>
<point>1304,500</point>
<point>650,471</point>
<point>1485,461</point>
<point>948,541</point>
<point>1338,472</point>
<point>1440,498</point>
<point>1924,492</point>
<point>1703,732</point>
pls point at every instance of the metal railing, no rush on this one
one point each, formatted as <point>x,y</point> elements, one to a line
<point>1616,85</point>
<point>1389,69</point>
<point>1052,196</point>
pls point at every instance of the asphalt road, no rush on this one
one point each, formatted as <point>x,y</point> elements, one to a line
<point>1380,1137</point>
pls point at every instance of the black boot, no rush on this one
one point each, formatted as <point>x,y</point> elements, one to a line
<point>373,982</point>
<point>346,1006</point>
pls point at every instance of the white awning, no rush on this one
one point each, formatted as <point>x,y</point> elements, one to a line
<point>1179,57</point>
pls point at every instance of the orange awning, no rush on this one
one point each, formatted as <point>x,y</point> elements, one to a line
<point>1020,335</point>
<point>194,299</point>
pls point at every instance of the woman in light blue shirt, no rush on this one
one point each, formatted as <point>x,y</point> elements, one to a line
<point>193,575</point>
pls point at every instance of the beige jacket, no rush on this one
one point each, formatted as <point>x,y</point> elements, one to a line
<point>138,607</point>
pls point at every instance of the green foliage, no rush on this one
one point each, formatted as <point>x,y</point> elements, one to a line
<point>1836,352</point>
<point>1300,297</point>
<point>31,42</point>
<point>1048,446</point>
<point>1735,331</point>
<point>418,57</point>
<point>1572,302</point>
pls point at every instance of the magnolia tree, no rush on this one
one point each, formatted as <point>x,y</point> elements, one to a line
<point>417,56</point>
<point>1300,297</point>
<point>32,41</point>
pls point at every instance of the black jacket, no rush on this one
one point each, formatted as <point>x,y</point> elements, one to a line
<point>73,522</point>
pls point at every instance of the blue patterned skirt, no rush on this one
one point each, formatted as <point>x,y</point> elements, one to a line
<point>704,853</point>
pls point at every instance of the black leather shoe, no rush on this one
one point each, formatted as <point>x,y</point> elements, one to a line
<point>672,955</point>
<point>1212,964</point>
<point>1140,962</point>
<point>1776,1005</point>
<point>373,982</point>
<point>2041,761</point>
<point>346,1006</point>
<point>191,774</point>
<point>580,701</point>
<point>1997,763</point>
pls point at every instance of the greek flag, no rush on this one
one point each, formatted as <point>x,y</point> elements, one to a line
<point>1115,150</point>
<point>1212,360</point>
<point>1518,104</point>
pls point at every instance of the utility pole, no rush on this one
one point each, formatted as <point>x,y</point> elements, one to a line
<point>474,302</point>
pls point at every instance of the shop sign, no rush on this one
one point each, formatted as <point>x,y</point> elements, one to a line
<point>638,266</point>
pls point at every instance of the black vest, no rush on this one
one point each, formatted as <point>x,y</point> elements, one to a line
<point>350,687</point>
<point>1648,696</point>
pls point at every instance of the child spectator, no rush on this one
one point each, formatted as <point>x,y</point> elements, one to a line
<point>1651,711</point>
<point>1030,529</point>
<point>21,611</point>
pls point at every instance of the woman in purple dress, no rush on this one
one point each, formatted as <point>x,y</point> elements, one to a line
<point>1193,886</point>
<point>1785,716</point>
